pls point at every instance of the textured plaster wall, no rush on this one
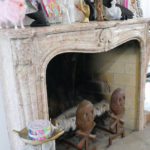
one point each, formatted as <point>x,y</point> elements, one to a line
<point>120,68</point>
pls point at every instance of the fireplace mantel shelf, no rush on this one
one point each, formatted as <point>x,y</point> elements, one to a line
<point>58,28</point>
<point>25,54</point>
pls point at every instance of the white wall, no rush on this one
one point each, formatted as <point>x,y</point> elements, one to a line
<point>145,4</point>
<point>4,140</point>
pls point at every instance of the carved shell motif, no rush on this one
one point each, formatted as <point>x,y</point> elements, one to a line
<point>105,39</point>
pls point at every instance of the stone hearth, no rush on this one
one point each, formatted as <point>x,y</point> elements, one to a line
<point>25,55</point>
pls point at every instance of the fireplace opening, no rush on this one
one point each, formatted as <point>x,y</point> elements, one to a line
<point>69,81</point>
<point>73,77</point>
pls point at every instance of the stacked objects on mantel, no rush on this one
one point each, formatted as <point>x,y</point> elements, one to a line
<point>39,130</point>
<point>44,12</point>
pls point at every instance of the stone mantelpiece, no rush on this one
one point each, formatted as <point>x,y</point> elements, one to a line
<point>25,55</point>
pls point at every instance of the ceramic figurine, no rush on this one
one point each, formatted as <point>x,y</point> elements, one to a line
<point>111,11</point>
<point>12,11</point>
<point>125,13</point>
<point>92,9</point>
<point>85,10</point>
<point>114,11</point>
<point>99,8</point>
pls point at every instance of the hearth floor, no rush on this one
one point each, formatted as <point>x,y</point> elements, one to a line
<point>101,140</point>
<point>137,140</point>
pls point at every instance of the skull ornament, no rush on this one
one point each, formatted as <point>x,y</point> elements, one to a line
<point>85,116</point>
<point>117,104</point>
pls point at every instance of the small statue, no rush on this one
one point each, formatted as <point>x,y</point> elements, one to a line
<point>117,107</point>
<point>99,8</point>
<point>85,9</point>
<point>12,11</point>
<point>125,13</point>
<point>114,11</point>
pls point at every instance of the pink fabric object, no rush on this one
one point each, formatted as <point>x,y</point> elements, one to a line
<point>126,3</point>
<point>12,11</point>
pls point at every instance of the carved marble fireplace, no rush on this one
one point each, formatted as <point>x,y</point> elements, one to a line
<point>25,55</point>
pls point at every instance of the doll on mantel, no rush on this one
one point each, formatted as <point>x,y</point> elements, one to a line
<point>114,11</point>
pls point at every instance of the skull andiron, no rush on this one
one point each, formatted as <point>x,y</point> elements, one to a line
<point>85,123</point>
<point>117,107</point>
<point>85,120</point>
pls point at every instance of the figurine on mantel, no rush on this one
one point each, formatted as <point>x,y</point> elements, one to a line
<point>114,11</point>
<point>99,8</point>
<point>85,10</point>
<point>92,9</point>
<point>49,10</point>
<point>12,11</point>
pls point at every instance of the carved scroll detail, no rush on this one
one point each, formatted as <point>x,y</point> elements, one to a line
<point>105,39</point>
